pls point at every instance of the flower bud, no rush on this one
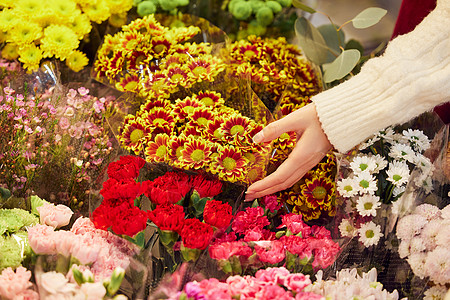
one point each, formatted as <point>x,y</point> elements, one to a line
<point>264,16</point>
<point>146,8</point>
<point>274,6</point>
<point>242,10</point>
<point>168,4</point>
<point>256,5</point>
<point>116,280</point>
<point>285,3</point>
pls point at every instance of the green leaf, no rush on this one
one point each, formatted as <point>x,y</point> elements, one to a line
<point>311,41</point>
<point>334,40</point>
<point>302,6</point>
<point>368,17</point>
<point>354,44</point>
<point>341,66</point>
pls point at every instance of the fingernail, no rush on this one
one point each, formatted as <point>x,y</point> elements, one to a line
<point>258,138</point>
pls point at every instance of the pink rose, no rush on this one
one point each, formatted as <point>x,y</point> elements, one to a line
<point>297,282</point>
<point>274,275</point>
<point>271,252</point>
<point>93,290</point>
<point>55,216</point>
<point>14,283</point>
<point>41,240</point>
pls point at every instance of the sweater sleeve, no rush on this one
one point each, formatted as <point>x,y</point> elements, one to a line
<point>411,77</point>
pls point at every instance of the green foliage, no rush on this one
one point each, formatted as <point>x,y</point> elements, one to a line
<point>299,4</point>
<point>311,41</point>
<point>341,66</point>
<point>368,17</point>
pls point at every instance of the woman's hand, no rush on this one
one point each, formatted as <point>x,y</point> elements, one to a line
<point>312,145</point>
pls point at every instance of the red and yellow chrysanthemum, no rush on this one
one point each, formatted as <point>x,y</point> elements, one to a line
<point>133,133</point>
<point>210,98</point>
<point>230,164</point>
<point>214,129</point>
<point>177,76</point>
<point>255,172</point>
<point>147,24</point>
<point>318,192</point>
<point>115,65</point>
<point>157,149</point>
<point>175,146</point>
<point>158,117</point>
<point>182,34</point>
<point>160,46</point>
<point>205,67</point>
<point>196,154</point>
<point>235,128</point>
<point>183,107</point>
<point>286,140</point>
<point>193,49</point>
<point>128,83</point>
<point>155,86</point>
<point>137,60</point>
<point>201,117</point>
<point>161,102</point>
<point>192,132</point>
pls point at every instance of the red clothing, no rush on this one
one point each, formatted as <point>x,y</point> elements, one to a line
<point>411,13</point>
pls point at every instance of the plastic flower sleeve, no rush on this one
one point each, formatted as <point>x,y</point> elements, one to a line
<point>381,181</point>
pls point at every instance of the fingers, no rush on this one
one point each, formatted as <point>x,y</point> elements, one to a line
<point>293,122</point>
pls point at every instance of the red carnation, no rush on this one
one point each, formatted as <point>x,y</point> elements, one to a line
<point>117,192</point>
<point>205,187</point>
<point>297,245</point>
<point>217,214</point>
<point>126,167</point>
<point>104,216</point>
<point>228,249</point>
<point>167,189</point>
<point>324,250</point>
<point>129,221</point>
<point>195,234</point>
<point>251,219</point>
<point>271,252</point>
<point>168,217</point>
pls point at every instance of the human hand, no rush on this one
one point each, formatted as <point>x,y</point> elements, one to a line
<point>312,145</point>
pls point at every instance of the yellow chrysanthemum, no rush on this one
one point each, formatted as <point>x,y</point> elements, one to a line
<point>24,33</point>
<point>3,36</point>
<point>64,9</point>
<point>7,3</point>
<point>30,56</point>
<point>27,8</point>
<point>119,6</point>
<point>59,41</point>
<point>77,60</point>
<point>97,11</point>
<point>10,51</point>
<point>8,18</point>
<point>118,20</point>
<point>81,25</point>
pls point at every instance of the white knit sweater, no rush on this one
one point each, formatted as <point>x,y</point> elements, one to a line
<point>411,77</point>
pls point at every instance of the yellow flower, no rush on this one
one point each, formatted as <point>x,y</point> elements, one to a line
<point>64,9</point>
<point>10,51</point>
<point>27,8</point>
<point>119,6</point>
<point>30,56</point>
<point>97,11</point>
<point>81,25</point>
<point>58,41</point>
<point>7,3</point>
<point>25,33</point>
<point>8,18</point>
<point>3,36</point>
<point>118,20</point>
<point>77,60</point>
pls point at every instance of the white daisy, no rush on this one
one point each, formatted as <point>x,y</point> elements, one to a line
<point>369,143</point>
<point>347,187</point>
<point>436,292</point>
<point>381,163</point>
<point>398,173</point>
<point>369,233</point>
<point>363,163</point>
<point>367,205</point>
<point>402,151</point>
<point>347,229</point>
<point>417,138</point>
<point>387,134</point>
<point>366,183</point>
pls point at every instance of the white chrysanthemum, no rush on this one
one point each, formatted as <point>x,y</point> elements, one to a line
<point>403,249</point>
<point>366,183</point>
<point>369,234</point>
<point>363,163</point>
<point>368,143</point>
<point>443,236</point>
<point>436,292</point>
<point>388,135</point>
<point>367,205</point>
<point>445,212</point>
<point>417,263</point>
<point>380,161</point>
<point>347,187</point>
<point>438,265</point>
<point>416,245</point>
<point>347,229</point>
<point>429,211</point>
<point>409,226</point>
<point>417,139</point>
<point>430,232</point>
<point>398,173</point>
<point>398,190</point>
<point>402,151</point>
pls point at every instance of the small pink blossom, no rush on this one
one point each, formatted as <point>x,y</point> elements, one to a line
<point>55,216</point>
<point>40,238</point>
<point>99,106</point>
<point>69,112</point>
<point>65,242</point>
<point>83,91</point>
<point>64,123</point>
<point>14,283</point>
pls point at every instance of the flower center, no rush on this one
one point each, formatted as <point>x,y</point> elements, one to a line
<point>284,136</point>
<point>218,134</point>
<point>207,101</point>
<point>368,205</point>
<point>249,53</point>
<point>188,109</point>
<point>161,151</point>
<point>159,48</point>
<point>348,188</point>
<point>396,177</point>
<point>199,70</point>
<point>370,234</point>
<point>250,157</point>
<point>364,183</point>
<point>363,166</point>
<point>159,121</point>
<point>229,163</point>
<point>197,155</point>
<point>202,121</point>
<point>136,135</point>
<point>140,59</point>
<point>176,77</point>
<point>319,192</point>
<point>130,86</point>
<point>178,151</point>
<point>237,129</point>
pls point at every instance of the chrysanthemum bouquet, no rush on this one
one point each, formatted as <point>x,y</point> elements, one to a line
<point>377,176</point>
<point>34,30</point>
